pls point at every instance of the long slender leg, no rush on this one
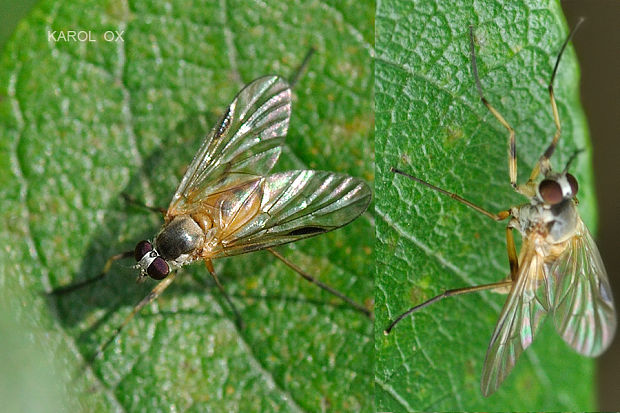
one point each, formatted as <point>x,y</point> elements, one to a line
<point>155,292</point>
<point>308,277</point>
<point>297,73</point>
<point>543,164</point>
<point>133,201</point>
<point>447,293</point>
<point>106,268</point>
<point>500,216</point>
<point>512,253</point>
<point>512,146</point>
<point>238,318</point>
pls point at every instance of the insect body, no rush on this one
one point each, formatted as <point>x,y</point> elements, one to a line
<point>228,204</point>
<point>558,271</point>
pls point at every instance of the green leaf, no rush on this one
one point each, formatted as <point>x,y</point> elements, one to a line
<point>82,122</point>
<point>431,123</point>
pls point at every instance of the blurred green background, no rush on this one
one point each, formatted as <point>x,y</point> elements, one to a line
<point>11,12</point>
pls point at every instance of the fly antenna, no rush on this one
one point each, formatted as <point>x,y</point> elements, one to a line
<point>571,159</point>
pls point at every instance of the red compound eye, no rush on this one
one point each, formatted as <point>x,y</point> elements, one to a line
<point>158,270</point>
<point>574,186</point>
<point>142,249</point>
<point>550,192</point>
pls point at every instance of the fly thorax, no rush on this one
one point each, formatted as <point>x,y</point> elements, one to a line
<point>563,222</point>
<point>530,217</point>
<point>179,237</point>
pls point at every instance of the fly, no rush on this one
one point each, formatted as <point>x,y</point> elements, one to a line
<point>228,203</point>
<point>558,270</point>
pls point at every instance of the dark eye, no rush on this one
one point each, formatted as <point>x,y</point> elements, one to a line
<point>550,192</point>
<point>574,186</point>
<point>158,270</point>
<point>143,248</point>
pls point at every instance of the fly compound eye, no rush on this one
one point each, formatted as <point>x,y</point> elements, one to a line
<point>574,186</point>
<point>143,248</point>
<point>550,192</point>
<point>158,270</point>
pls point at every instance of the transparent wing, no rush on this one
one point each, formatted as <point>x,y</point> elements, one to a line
<point>297,205</point>
<point>584,313</point>
<point>519,320</point>
<point>245,142</point>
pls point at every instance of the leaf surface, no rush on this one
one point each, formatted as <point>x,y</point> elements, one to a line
<point>431,123</point>
<point>82,122</point>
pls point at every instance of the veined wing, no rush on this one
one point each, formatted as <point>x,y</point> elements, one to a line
<point>297,205</point>
<point>584,313</point>
<point>519,320</point>
<point>245,142</point>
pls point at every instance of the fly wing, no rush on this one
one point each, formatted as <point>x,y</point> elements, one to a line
<point>584,313</point>
<point>245,143</point>
<point>519,320</point>
<point>296,205</point>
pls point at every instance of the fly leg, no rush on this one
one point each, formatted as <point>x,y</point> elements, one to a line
<point>447,293</point>
<point>543,165</point>
<point>238,318</point>
<point>133,201</point>
<point>512,146</point>
<point>106,268</point>
<point>513,260</point>
<point>500,216</point>
<point>510,245</point>
<point>308,277</point>
<point>152,296</point>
